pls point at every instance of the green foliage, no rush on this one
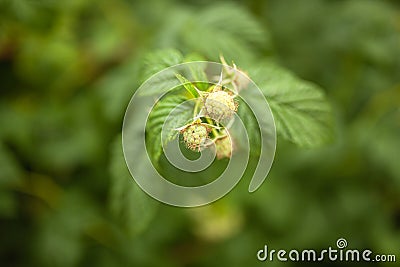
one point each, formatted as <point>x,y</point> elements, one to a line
<point>383,142</point>
<point>378,132</point>
<point>159,115</point>
<point>217,28</point>
<point>69,68</point>
<point>251,125</point>
<point>157,61</point>
<point>10,177</point>
<point>224,28</point>
<point>132,208</point>
<point>301,112</point>
<point>116,87</point>
<point>61,230</point>
<point>188,86</point>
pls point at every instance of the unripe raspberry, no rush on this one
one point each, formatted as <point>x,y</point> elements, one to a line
<point>195,136</point>
<point>223,147</point>
<point>220,105</point>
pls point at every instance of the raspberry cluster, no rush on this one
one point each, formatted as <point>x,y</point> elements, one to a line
<point>195,136</point>
<point>217,108</point>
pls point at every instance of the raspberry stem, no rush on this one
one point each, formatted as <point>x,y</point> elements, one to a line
<point>196,108</point>
<point>213,130</point>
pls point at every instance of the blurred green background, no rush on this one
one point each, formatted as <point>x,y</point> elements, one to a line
<point>68,70</point>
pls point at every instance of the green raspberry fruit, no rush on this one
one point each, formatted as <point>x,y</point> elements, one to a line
<point>223,147</point>
<point>220,105</point>
<point>195,136</point>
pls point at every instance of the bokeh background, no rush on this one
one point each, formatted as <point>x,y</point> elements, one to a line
<point>68,70</point>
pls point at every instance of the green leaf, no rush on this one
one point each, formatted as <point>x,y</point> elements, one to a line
<point>302,113</point>
<point>194,57</point>
<point>235,20</point>
<point>251,125</point>
<point>132,207</point>
<point>115,88</point>
<point>159,60</point>
<point>197,71</point>
<point>188,85</point>
<point>225,28</point>
<point>166,80</point>
<point>154,128</point>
